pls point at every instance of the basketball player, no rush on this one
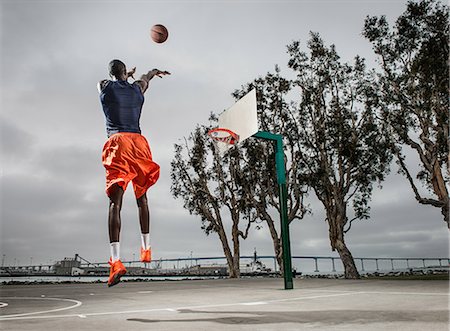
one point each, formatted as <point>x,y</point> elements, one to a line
<point>126,156</point>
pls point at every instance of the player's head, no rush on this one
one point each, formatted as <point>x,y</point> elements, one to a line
<point>117,68</point>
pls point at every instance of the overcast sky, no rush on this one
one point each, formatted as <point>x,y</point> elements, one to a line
<point>53,53</point>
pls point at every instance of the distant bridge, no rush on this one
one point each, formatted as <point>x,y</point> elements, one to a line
<point>303,264</point>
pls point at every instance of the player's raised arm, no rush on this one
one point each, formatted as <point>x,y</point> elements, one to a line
<point>146,78</point>
<point>131,72</point>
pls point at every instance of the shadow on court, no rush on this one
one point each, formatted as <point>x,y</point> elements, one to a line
<point>325,317</point>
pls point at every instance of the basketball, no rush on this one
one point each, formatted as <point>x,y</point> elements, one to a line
<point>159,33</point>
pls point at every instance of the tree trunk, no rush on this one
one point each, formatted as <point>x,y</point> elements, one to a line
<point>440,189</point>
<point>347,260</point>
<point>438,184</point>
<point>275,239</point>
<point>236,248</point>
<point>226,250</point>
<point>336,212</point>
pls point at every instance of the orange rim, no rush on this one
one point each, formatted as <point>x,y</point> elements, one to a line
<point>224,135</point>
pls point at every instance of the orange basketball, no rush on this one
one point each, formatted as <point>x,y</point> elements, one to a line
<point>159,33</point>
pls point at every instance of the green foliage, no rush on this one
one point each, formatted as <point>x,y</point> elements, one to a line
<point>341,145</point>
<point>415,79</point>
<point>245,178</point>
<point>414,91</point>
<point>274,115</point>
<point>205,182</point>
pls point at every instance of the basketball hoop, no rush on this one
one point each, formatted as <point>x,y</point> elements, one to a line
<point>223,138</point>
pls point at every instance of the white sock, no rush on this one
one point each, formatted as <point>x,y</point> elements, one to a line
<point>115,251</point>
<point>145,240</point>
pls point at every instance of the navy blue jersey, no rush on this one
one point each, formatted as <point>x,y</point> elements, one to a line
<point>122,105</point>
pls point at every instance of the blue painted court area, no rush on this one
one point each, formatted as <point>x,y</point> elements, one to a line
<point>228,304</point>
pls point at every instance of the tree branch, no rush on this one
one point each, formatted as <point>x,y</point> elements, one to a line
<point>424,201</point>
<point>350,224</point>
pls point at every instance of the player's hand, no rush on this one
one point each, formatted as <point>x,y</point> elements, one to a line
<point>131,72</point>
<point>160,73</point>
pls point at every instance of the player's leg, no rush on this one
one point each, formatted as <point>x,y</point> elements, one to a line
<point>118,175</point>
<point>117,269</point>
<point>115,206</point>
<point>147,173</point>
<point>144,214</point>
<point>144,221</point>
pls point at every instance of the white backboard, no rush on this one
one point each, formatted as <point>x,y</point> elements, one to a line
<point>241,118</point>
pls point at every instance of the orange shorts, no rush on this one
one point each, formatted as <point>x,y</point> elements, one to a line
<point>127,157</point>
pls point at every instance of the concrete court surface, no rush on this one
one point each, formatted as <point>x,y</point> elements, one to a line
<point>228,304</point>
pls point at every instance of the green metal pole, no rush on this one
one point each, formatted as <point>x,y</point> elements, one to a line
<point>281,180</point>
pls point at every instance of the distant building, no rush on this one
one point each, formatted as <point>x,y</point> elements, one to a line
<point>208,270</point>
<point>68,267</point>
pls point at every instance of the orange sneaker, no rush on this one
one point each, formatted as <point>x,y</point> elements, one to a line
<point>116,271</point>
<point>146,255</point>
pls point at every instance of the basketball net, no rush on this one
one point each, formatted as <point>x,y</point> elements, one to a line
<point>223,139</point>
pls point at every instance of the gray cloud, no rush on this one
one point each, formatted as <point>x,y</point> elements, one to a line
<point>15,143</point>
<point>38,198</point>
<point>71,164</point>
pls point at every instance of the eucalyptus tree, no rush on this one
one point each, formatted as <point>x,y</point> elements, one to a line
<point>342,150</point>
<point>211,187</point>
<point>414,82</point>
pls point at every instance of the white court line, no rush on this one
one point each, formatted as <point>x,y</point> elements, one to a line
<point>176,308</point>
<point>6,317</point>
<point>316,297</point>
<point>406,293</point>
<point>379,292</point>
